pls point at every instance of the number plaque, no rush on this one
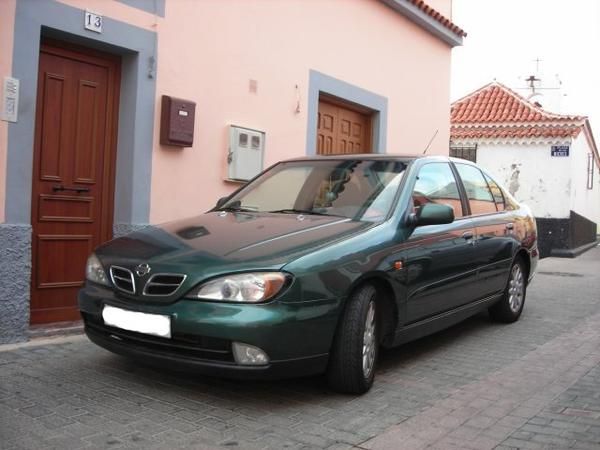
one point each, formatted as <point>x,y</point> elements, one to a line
<point>93,22</point>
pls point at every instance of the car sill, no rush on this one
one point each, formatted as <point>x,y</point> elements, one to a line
<point>446,319</point>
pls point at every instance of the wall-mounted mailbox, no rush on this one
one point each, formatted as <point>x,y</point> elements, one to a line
<point>246,149</point>
<point>177,122</point>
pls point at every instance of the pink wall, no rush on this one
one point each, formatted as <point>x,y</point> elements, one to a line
<point>7,20</point>
<point>209,50</point>
<point>117,10</point>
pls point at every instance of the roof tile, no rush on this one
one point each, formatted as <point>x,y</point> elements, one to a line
<point>438,17</point>
<point>495,111</point>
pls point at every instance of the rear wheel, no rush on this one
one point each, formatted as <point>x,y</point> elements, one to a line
<point>355,348</point>
<point>509,308</point>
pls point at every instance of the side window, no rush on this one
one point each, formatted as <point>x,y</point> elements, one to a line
<point>496,192</point>
<point>436,184</point>
<point>478,192</point>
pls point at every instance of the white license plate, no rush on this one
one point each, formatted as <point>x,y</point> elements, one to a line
<point>155,324</point>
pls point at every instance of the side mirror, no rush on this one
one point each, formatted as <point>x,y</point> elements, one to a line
<point>432,214</point>
<point>221,202</point>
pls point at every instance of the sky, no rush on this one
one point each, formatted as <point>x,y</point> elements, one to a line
<point>506,37</point>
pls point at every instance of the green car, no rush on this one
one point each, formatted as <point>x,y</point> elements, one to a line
<point>313,266</point>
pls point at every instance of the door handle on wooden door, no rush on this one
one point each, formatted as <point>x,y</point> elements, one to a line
<point>60,188</point>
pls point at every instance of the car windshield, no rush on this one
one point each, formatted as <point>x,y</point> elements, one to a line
<point>356,189</point>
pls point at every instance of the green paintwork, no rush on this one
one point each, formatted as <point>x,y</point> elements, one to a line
<point>327,258</point>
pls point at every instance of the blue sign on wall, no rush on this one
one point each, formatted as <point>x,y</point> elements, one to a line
<point>559,150</point>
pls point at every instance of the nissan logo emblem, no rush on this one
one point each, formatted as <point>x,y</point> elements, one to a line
<point>142,269</point>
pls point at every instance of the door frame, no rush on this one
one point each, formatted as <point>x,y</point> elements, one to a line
<point>321,85</point>
<point>137,105</point>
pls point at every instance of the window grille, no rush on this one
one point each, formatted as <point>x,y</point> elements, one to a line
<point>465,152</point>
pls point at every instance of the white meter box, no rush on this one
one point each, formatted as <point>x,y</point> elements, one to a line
<point>246,153</point>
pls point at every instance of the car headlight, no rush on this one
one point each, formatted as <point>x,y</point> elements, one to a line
<point>253,287</point>
<point>95,272</point>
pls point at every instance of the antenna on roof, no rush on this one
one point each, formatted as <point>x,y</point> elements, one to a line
<point>431,140</point>
<point>532,79</point>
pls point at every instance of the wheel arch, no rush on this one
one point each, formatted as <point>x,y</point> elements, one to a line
<point>523,254</point>
<point>386,298</point>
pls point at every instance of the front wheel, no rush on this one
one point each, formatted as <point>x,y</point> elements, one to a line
<point>509,307</point>
<point>355,348</point>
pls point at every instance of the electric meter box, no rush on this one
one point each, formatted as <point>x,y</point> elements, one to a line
<point>177,122</point>
<point>246,153</point>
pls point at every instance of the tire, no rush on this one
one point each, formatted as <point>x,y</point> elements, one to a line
<point>353,356</point>
<point>509,307</point>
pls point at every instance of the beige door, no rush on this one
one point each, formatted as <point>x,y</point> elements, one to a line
<point>341,130</point>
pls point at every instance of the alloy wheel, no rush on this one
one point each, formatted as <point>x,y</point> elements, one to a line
<point>516,288</point>
<point>369,341</point>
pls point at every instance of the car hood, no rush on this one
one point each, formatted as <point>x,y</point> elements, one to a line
<point>219,242</point>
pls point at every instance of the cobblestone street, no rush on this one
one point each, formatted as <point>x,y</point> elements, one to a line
<point>479,385</point>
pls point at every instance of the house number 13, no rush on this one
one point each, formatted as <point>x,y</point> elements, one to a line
<point>93,22</point>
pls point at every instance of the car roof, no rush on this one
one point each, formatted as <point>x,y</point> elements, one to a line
<point>377,157</point>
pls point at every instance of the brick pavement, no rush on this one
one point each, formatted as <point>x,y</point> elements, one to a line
<point>533,384</point>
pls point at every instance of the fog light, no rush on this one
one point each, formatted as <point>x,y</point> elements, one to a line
<point>249,355</point>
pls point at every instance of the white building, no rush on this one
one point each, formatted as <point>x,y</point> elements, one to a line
<point>548,161</point>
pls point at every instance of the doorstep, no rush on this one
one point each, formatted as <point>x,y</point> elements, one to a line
<point>55,329</point>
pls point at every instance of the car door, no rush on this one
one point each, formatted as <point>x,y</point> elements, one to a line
<point>494,229</point>
<point>439,259</point>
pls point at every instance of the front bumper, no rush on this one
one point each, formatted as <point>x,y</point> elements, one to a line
<point>296,337</point>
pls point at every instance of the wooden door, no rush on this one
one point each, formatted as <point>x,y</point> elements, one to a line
<point>73,173</point>
<point>341,130</point>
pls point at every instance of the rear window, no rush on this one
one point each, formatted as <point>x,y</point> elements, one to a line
<point>480,197</point>
<point>496,193</point>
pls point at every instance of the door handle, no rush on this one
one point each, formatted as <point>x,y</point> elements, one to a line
<point>467,235</point>
<point>510,226</point>
<point>60,188</point>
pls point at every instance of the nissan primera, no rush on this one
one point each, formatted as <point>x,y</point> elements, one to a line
<point>313,266</point>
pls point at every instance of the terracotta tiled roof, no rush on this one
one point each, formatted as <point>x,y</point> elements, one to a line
<point>497,112</point>
<point>438,17</point>
<point>516,132</point>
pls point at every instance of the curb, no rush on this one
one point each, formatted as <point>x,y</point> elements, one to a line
<point>573,252</point>
<point>41,341</point>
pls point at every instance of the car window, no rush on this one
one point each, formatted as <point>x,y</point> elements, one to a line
<point>496,192</point>
<point>478,192</point>
<point>356,189</point>
<point>436,184</point>
<point>278,191</point>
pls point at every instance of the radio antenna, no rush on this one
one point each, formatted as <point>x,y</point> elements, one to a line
<point>431,140</point>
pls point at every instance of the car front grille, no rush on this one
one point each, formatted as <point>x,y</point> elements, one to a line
<point>163,284</point>
<point>122,278</point>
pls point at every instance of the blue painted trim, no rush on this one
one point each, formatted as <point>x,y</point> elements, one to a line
<point>152,6</point>
<point>320,83</point>
<point>136,108</point>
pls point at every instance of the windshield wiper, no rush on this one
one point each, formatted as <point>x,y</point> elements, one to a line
<point>300,211</point>
<point>237,209</point>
